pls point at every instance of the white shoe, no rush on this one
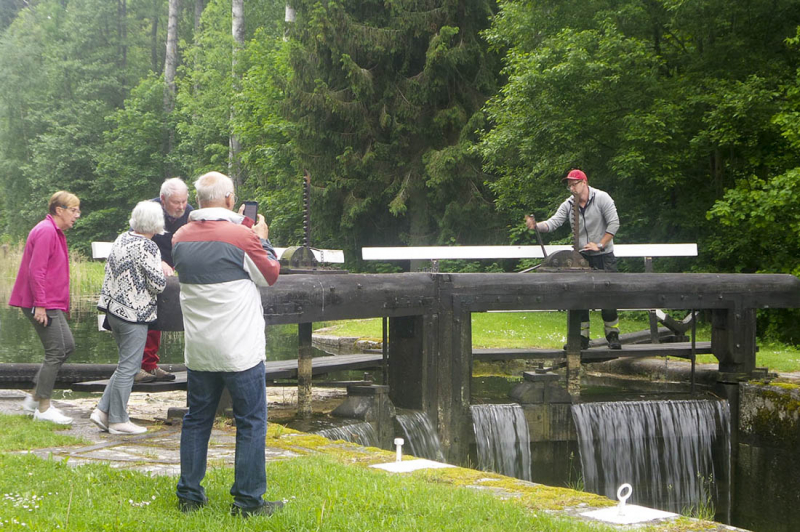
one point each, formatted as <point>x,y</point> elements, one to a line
<point>100,419</point>
<point>29,406</point>
<point>53,415</point>
<point>126,428</point>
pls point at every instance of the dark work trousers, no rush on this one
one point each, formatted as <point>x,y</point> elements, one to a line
<point>606,262</point>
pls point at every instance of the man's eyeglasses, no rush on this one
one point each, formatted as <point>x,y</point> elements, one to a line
<point>229,194</point>
<point>571,184</point>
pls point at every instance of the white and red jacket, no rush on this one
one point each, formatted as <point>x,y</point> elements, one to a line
<point>220,264</point>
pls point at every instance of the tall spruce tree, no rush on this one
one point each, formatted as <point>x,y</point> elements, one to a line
<point>385,98</point>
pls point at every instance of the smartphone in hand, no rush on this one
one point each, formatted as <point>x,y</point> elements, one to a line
<point>251,210</point>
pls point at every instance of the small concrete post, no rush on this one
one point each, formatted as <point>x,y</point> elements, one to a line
<point>304,355</point>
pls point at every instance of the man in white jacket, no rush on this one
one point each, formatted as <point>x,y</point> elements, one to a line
<point>221,260</point>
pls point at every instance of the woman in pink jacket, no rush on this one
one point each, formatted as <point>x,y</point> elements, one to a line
<point>42,292</point>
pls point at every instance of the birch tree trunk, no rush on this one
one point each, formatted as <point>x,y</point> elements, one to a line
<point>154,37</point>
<point>199,6</point>
<point>122,30</point>
<point>171,58</point>
<point>234,147</point>
<point>170,67</point>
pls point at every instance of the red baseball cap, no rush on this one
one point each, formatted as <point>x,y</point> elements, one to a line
<point>577,175</point>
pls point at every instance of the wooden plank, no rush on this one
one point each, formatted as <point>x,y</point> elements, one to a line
<point>676,349</point>
<point>160,386</point>
<point>516,354</point>
<point>276,369</point>
<point>516,252</point>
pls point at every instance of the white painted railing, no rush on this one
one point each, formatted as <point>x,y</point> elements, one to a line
<point>516,252</point>
<point>100,250</point>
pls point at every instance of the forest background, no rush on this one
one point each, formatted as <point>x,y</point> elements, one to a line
<point>420,122</point>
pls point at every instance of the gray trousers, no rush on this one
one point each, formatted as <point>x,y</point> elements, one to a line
<point>130,338</point>
<point>58,345</point>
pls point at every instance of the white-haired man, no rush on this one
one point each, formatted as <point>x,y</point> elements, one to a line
<point>222,259</point>
<point>174,201</point>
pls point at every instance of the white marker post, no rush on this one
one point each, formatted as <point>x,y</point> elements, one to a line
<point>399,444</point>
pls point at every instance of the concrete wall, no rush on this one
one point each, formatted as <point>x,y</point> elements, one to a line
<point>767,465</point>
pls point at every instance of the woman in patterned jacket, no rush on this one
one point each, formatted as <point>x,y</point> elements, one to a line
<point>133,280</point>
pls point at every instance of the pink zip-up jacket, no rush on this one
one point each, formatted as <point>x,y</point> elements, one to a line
<point>43,278</point>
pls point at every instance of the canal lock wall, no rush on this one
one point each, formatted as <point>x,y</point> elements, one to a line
<point>767,458</point>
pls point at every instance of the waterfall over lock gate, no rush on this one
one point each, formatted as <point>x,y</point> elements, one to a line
<point>419,435</point>
<point>502,439</point>
<point>664,449</point>
<point>360,433</point>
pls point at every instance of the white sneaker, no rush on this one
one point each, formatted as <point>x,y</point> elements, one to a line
<point>53,415</point>
<point>126,428</point>
<point>29,406</point>
<point>100,419</point>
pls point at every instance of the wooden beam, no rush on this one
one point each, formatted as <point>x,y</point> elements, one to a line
<point>304,370</point>
<point>314,298</point>
<point>673,349</point>
<point>276,369</point>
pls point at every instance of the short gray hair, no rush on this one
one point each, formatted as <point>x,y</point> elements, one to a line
<point>213,186</point>
<point>173,185</point>
<point>147,217</point>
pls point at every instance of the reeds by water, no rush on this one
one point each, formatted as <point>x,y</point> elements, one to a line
<point>86,276</point>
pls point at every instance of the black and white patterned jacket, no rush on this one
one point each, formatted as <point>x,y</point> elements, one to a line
<point>133,279</point>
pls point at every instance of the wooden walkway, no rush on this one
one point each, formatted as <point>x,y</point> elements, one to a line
<point>674,349</point>
<point>278,369</point>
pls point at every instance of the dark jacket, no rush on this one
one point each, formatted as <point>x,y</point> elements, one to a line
<point>171,225</point>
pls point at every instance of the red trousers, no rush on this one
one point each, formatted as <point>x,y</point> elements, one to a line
<point>150,356</point>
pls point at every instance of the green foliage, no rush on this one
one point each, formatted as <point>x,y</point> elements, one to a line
<point>132,164</point>
<point>385,99</point>
<point>665,105</point>
<point>267,154</point>
<point>205,91</point>
<point>65,69</point>
<point>686,112</point>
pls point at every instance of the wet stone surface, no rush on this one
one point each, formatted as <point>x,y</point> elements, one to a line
<point>156,452</point>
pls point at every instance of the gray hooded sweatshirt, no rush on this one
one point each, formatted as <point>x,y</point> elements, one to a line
<point>598,218</point>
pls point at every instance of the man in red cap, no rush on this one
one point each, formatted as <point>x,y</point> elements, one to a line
<point>598,223</point>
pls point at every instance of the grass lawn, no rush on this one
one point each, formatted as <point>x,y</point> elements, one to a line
<point>322,492</point>
<point>548,330</point>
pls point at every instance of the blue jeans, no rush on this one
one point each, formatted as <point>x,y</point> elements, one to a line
<point>248,391</point>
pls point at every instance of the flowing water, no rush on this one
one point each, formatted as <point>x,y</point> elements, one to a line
<point>502,439</point>
<point>360,433</point>
<point>675,454</point>
<point>419,435</point>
